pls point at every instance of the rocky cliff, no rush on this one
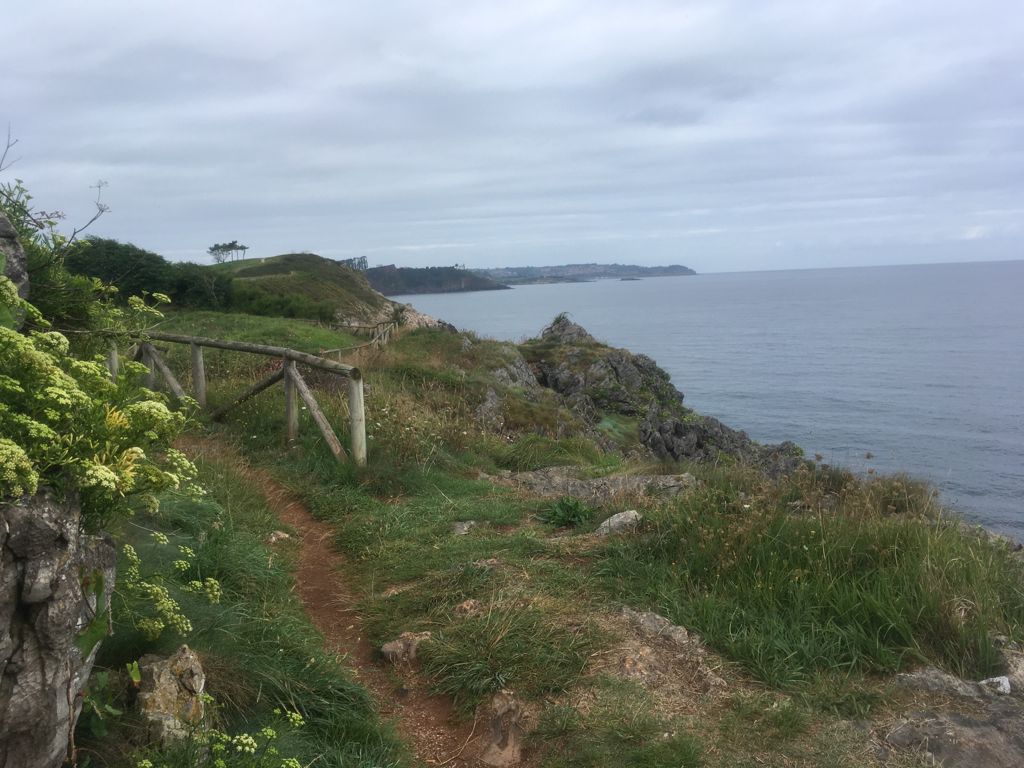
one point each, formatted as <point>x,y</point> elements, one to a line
<point>55,589</point>
<point>597,379</point>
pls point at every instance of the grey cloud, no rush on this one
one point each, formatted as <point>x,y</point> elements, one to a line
<point>726,135</point>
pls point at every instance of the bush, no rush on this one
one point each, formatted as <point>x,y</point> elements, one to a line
<point>567,512</point>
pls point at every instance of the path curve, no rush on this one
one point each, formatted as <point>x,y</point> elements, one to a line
<point>425,722</point>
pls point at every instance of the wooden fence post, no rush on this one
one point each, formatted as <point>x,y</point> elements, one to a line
<point>150,361</point>
<point>113,363</point>
<point>198,374</point>
<point>357,418</point>
<point>291,404</point>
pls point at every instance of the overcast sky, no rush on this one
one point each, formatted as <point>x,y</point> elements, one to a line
<point>720,135</point>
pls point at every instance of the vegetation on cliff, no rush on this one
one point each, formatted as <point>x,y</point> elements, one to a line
<point>393,281</point>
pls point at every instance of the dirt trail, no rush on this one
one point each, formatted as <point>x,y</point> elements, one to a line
<point>423,721</point>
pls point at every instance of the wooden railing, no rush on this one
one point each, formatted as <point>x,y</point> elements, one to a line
<point>380,334</point>
<point>295,386</point>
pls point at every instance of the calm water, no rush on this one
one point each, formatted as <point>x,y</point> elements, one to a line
<point>923,366</point>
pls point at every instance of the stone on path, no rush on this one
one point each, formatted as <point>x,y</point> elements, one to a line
<point>621,522</point>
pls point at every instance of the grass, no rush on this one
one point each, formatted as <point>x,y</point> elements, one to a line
<point>620,726</point>
<point>856,589</point>
<point>257,646</point>
<point>510,645</point>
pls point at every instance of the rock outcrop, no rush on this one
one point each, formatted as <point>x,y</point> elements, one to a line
<point>594,377</point>
<point>55,589</point>
<point>703,438</point>
<point>505,745</point>
<point>13,256</point>
<point>170,695</point>
<point>597,380</point>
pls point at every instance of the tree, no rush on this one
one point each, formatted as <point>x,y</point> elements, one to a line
<point>221,251</point>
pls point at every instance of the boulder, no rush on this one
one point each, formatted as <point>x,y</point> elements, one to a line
<point>404,647</point>
<point>170,695</point>
<point>505,745</point>
<point>55,589</point>
<point>462,527</point>
<point>653,625</point>
<point>622,522</point>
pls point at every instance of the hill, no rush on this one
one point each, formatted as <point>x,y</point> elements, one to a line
<point>392,281</point>
<point>575,273</point>
<point>260,285</point>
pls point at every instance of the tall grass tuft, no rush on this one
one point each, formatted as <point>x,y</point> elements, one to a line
<point>853,589</point>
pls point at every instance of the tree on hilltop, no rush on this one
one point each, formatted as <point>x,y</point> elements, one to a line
<point>221,251</point>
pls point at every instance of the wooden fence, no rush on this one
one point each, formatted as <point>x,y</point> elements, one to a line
<point>295,386</point>
<point>380,334</point>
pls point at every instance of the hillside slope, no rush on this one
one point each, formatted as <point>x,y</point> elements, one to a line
<point>343,293</point>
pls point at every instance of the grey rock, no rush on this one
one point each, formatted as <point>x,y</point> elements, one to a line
<point>13,256</point>
<point>958,741</point>
<point>170,695</point>
<point>565,331</point>
<point>462,527</point>
<point>55,582</point>
<point>404,647</point>
<point>490,413</point>
<point>703,438</point>
<point>998,685</point>
<point>277,536</point>
<point>654,625</point>
<point>936,681</point>
<point>621,522</point>
<point>505,745</point>
<point>516,372</point>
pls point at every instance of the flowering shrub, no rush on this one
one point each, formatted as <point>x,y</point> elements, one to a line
<point>213,748</point>
<point>67,426</point>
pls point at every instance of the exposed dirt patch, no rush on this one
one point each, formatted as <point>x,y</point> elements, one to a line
<point>424,721</point>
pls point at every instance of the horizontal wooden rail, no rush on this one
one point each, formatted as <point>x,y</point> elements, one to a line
<point>260,349</point>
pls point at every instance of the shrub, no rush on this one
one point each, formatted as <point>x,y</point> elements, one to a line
<point>567,512</point>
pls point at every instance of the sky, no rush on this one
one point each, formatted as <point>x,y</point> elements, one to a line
<point>721,135</point>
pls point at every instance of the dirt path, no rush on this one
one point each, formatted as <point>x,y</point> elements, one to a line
<point>423,721</point>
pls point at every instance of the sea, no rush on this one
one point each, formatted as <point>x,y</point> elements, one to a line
<point>916,369</point>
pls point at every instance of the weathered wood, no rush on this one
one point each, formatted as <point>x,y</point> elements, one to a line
<point>147,358</point>
<point>198,374</point>
<point>259,349</point>
<point>161,366</point>
<point>254,390</point>
<point>318,416</point>
<point>113,363</point>
<point>357,420</point>
<point>291,404</point>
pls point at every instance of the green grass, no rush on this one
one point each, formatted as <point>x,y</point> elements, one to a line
<point>791,596</point>
<point>258,648</point>
<point>622,726</point>
<point>303,284</point>
<point>509,646</point>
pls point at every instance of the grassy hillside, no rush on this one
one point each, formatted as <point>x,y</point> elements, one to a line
<point>306,280</point>
<point>808,591</point>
